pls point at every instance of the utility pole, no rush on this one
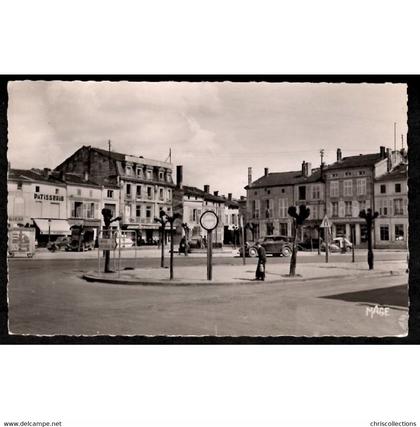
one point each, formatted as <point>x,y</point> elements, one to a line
<point>395,136</point>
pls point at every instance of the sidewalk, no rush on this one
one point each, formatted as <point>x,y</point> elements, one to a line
<point>140,252</point>
<point>244,274</point>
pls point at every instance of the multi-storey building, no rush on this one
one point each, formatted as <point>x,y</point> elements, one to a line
<point>196,202</point>
<point>350,189</point>
<point>37,198</point>
<point>391,202</point>
<point>145,185</point>
<point>231,221</point>
<point>53,202</point>
<point>189,203</point>
<point>269,198</point>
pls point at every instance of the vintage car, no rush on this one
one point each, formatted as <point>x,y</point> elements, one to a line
<point>276,245</point>
<point>337,244</point>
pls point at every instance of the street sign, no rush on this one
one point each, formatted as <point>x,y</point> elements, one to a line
<point>106,244</point>
<point>325,222</point>
<point>209,220</point>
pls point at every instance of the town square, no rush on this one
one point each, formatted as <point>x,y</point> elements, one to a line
<point>207,209</point>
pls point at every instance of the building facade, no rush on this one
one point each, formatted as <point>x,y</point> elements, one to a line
<point>350,189</point>
<point>231,221</point>
<point>270,196</point>
<point>35,194</point>
<point>391,202</point>
<point>145,186</point>
<point>53,202</point>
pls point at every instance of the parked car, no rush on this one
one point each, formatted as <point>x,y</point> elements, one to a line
<point>126,242</point>
<point>336,245</point>
<point>60,243</point>
<point>275,245</point>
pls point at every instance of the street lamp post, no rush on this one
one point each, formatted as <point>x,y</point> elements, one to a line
<point>369,217</point>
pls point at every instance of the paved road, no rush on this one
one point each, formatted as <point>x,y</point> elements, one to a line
<point>49,297</point>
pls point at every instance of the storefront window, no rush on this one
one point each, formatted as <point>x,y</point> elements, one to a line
<point>399,232</point>
<point>363,233</point>
<point>384,232</point>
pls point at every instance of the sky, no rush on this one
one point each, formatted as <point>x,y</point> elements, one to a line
<point>215,130</point>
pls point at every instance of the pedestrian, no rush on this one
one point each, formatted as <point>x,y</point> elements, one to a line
<point>260,272</point>
<point>182,246</point>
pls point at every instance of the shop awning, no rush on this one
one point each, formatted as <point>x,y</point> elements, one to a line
<point>53,226</point>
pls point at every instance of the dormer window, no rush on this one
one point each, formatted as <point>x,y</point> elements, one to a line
<point>128,170</point>
<point>161,176</point>
<point>149,174</point>
<point>139,172</point>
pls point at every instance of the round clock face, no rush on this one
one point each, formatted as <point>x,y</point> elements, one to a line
<point>209,220</point>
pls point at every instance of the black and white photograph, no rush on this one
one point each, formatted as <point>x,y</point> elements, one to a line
<point>207,208</point>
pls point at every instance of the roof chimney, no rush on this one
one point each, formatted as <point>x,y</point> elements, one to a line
<point>382,151</point>
<point>179,173</point>
<point>46,172</point>
<point>249,175</point>
<point>388,160</point>
<point>207,188</point>
<point>308,169</point>
<point>339,155</point>
<point>304,168</point>
<point>265,171</point>
<point>229,196</point>
<point>216,193</point>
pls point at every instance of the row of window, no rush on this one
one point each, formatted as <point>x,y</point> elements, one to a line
<point>397,188</point>
<point>384,234</point>
<point>388,207</point>
<point>149,192</point>
<point>83,210</point>
<point>348,187</point>
<point>129,170</point>
<point>283,207</point>
<point>348,208</point>
<point>142,211</point>
<point>348,173</point>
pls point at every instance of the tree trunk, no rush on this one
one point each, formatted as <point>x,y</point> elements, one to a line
<point>370,251</point>
<point>292,271</point>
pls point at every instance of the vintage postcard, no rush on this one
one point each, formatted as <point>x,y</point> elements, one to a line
<point>207,208</point>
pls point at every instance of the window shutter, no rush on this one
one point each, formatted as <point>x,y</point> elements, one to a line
<point>356,209</point>
<point>341,209</point>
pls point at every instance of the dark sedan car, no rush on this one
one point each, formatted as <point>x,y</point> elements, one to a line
<point>275,245</point>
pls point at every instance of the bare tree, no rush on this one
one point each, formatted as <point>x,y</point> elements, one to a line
<point>298,220</point>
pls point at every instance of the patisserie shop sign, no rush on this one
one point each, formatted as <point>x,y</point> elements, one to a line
<point>51,197</point>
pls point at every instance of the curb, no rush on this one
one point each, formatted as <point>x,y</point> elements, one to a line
<point>179,282</point>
